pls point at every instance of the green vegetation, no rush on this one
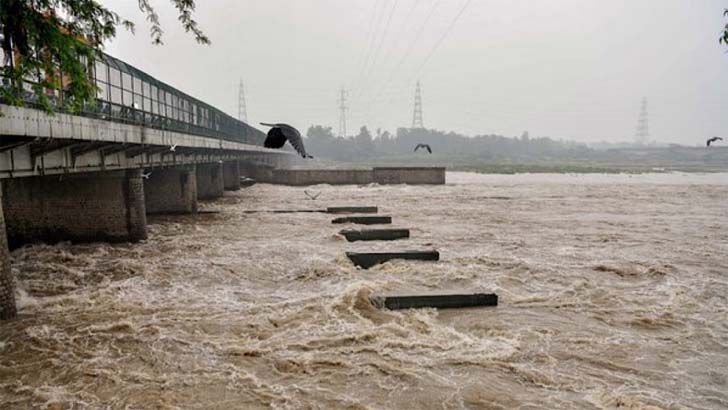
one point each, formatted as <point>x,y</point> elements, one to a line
<point>51,44</point>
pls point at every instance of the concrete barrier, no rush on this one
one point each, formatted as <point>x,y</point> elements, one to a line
<point>375,234</point>
<point>369,259</point>
<point>379,175</point>
<point>409,175</point>
<point>440,301</point>
<point>363,220</point>
<point>352,210</point>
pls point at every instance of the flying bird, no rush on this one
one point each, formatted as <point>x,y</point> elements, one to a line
<point>280,133</point>
<point>312,196</point>
<point>173,147</point>
<point>714,139</point>
<point>425,146</point>
<point>147,175</point>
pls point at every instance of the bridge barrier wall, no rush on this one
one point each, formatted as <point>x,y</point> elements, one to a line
<point>87,207</point>
<point>409,175</point>
<point>171,190</point>
<point>231,175</point>
<point>7,284</point>
<point>379,175</point>
<point>210,183</point>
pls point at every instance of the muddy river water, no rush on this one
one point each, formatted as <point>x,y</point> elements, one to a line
<point>613,294</point>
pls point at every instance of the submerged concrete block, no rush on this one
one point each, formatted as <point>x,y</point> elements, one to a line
<point>368,259</point>
<point>246,182</point>
<point>375,234</point>
<point>440,301</point>
<point>363,220</point>
<point>352,210</point>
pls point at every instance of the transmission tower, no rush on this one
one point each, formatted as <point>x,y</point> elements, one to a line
<point>342,113</point>
<point>643,129</point>
<point>242,110</point>
<point>417,115</point>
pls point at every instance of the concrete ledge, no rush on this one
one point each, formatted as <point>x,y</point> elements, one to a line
<point>363,220</point>
<point>441,301</point>
<point>367,260</point>
<point>352,210</point>
<point>375,234</point>
<point>378,175</point>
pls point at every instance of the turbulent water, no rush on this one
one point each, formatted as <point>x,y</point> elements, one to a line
<point>613,294</point>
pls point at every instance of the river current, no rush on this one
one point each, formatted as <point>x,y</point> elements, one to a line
<point>613,295</point>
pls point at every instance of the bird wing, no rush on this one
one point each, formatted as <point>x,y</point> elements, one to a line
<point>294,137</point>
<point>428,148</point>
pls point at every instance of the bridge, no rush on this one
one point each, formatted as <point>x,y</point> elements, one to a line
<point>94,174</point>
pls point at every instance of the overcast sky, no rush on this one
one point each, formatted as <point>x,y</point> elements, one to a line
<point>574,69</point>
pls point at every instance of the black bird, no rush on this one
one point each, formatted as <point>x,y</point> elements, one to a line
<point>280,133</point>
<point>425,146</point>
<point>714,139</point>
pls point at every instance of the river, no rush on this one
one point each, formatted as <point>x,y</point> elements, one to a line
<point>613,294</point>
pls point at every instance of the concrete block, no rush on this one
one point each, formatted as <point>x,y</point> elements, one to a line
<point>88,207</point>
<point>440,301</point>
<point>352,210</point>
<point>231,175</point>
<point>171,191</point>
<point>246,182</point>
<point>368,259</point>
<point>363,220</point>
<point>375,234</point>
<point>210,182</point>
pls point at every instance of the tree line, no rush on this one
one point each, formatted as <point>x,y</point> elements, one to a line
<point>383,144</point>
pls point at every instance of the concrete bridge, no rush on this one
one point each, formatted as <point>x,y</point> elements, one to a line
<point>144,148</point>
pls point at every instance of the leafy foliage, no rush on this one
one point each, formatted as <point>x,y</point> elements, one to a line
<point>724,35</point>
<point>50,46</point>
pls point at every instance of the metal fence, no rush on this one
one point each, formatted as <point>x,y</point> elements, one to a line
<point>128,95</point>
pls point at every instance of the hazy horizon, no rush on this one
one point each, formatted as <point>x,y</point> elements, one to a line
<point>572,69</point>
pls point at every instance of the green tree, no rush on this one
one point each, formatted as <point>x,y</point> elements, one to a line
<point>52,44</point>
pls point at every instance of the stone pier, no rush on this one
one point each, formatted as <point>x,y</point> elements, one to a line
<point>84,207</point>
<point>231,175</point>
<point>171,190</point>
<point>7,284</point>
<point>210,183</point>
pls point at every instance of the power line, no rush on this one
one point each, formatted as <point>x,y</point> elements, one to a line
<point>444,35</point>
<point>401,61</point>
<point>379,46</point>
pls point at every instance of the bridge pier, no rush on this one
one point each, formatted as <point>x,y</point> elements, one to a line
<point>7,284</point>
<point>171,190</point>
<point>84,207</point>
<point>231,175</point>
<point>210,183</point>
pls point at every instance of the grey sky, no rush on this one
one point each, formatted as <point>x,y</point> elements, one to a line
<point>576,69</point>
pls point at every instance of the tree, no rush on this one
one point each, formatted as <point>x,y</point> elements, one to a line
<point>52,44</point>
<point>724,36</point>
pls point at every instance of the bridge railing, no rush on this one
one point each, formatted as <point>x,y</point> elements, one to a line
<point>128,95</point>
